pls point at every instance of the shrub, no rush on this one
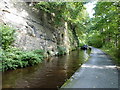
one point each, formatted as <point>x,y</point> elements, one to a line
<point>61,50</point>
<point>13,58</point>
<point>39,51</point>
<point>96,41</point>
<point>7,36</point>
<point>31,57</point>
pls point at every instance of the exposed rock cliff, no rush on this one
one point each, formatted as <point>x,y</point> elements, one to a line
<point>33,30</point>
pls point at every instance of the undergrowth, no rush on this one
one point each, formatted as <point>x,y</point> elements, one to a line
<point>114,54</point>
<point>61,50</point>
<point>13,58</point>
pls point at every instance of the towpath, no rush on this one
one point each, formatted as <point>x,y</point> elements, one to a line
<point>97,72</point>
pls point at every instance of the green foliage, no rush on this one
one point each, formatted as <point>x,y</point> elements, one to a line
<point>106,23</point>
<point>7,36</point>
<point>13,58</point>
<point>56,8</point>
<point>39,51</point>
<point>104,30</point>
<point>95,40</point>
<point>73,13</point>
<point>114,54</point>
<point>117,52</point>
<point>61,50</point>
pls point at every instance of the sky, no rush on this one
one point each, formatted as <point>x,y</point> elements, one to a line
<point>89,6</point>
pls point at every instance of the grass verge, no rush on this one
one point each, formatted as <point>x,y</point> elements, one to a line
<point>113,53</point>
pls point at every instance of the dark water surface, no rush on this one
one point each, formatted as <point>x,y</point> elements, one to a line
<point>51,73</point>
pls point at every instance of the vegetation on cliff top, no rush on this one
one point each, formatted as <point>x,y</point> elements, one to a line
<point>74,13</point>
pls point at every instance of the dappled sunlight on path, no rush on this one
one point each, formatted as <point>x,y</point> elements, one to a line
<point>99,67</point>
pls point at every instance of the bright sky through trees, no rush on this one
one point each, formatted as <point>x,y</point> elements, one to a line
<point>89,8</point>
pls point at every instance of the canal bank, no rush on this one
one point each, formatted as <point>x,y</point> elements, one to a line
<point>98,72</point>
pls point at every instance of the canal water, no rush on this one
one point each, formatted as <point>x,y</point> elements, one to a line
<point>52,73</point>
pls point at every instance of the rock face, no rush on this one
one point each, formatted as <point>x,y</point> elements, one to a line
<point>33,30</point>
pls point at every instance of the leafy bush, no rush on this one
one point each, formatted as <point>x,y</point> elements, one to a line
<point>96,41</point>
<point>7,36</point>
<point>13,58</point>
<point>114,53</point>
<point>117,53</point>
<point>61,50</point>
<point>39,51</point>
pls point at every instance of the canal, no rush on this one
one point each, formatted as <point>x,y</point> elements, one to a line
<point>52,73</point>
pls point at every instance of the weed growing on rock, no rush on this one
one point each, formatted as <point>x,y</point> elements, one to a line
<point>61,50</point>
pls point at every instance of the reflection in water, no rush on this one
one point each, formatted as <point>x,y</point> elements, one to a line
<point>51,73</point>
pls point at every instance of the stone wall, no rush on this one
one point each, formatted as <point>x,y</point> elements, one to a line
<point>33,30</point>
